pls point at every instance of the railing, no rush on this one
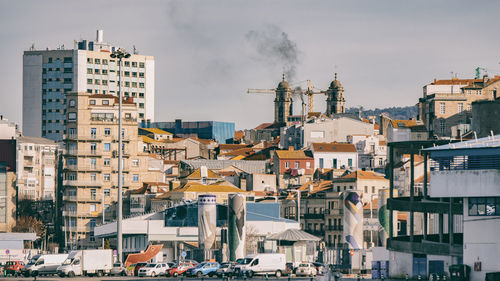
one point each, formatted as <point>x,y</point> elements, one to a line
<point>465,162</point>
<point>334,227</point>
<point>333,211</point>
<point>313,216</point>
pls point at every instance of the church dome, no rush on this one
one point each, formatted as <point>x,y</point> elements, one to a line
<point>283,84</point>
<point>335,83</point>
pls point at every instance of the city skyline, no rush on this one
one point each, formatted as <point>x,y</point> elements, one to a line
<point>212,52</point>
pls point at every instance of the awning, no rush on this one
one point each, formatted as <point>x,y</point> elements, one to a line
<point>293,235</point>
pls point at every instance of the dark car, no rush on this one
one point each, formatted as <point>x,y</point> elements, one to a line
<point>138,266</point>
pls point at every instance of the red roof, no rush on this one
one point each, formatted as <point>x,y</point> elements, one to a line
<point>333,147</point>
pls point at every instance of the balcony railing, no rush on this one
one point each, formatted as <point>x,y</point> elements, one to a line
<point>333,211</point>
<point>313,216</point>
<point>465,162</point>
<point>334,227</point>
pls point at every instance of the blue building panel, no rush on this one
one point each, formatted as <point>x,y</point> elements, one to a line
<point>222,132</point>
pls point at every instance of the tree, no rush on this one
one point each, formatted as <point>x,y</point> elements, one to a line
<point>30,224</point>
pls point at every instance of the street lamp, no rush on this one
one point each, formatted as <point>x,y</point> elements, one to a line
<point>120,54</point>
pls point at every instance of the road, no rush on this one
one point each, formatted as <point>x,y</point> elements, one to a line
<point>134,278</point>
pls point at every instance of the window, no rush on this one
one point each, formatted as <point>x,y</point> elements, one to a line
<point>92,102</point>
<point>469,107</point>
<point>107,162</point>
<point>484,206</point>
<point>89,81</point>
<point>93,148</point>
<point>321,163</point>
<point>92,226</point>
<point>297,164</point>
<point>127,84</point>
<point>104,71</point>
<point>127,63</point>
<point>89,60</point>
<point>134,84</point>
<point>97,61</point>
<point>442,126</point>
<point>335,163</point>
<point>68,59</point>
<point>126,73</point>
<point>141,74</point>
<point>72,116</point>
<point>349,162</point>
<point>460,107</point>
<point>107,131</point>
<point>72,103</point>
<point>106,177</point>
<point>93,133</point>
<point>89,70</point>
<point>141,85</point>
<point>135,178</point>
<point>107,192</point>
<point>373,189</point>
<point>107,147</point>
<point>134,64</point>
<point>105,82</point>
<point>105,61</point>
<point>141,95</point>
<point>141,105</point>
<point>93,177</point>
<point>92,208</point>
<point>442,108</point>
<point>135,162</point>
<point>93,194</point>
<point>308,165</point>
<point>105,102</point>
<point>97,82</point>
<point>134,74</point>
<point>141,65</point>
<point>93,163</point>
<point>97,71</point>
<point>287,164</point>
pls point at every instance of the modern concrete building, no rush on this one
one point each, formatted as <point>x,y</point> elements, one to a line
<point>447,103</point>
<point>222,132</point>
<point>48,75</point>
<point>91,163</point>
<point>467,173</point>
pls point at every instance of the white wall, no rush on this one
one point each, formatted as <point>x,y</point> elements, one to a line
<point>342,159</point>
<point>32,95</point>
<point>481,243</point>
<point>464,183</point>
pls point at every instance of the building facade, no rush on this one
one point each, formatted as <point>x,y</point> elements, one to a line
<point>335,102</point>
<point>293,167</point>
<point>48,75</point>
<point>222,132</point>
<point>335,156</point>
<point>37,163</point>
<point>372,151</point>
<point>90,185</point>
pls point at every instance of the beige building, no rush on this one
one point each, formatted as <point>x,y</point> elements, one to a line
<point>37,160</point>
<point>448,103</point>
<point>91,163</point>
<point>7,198</point>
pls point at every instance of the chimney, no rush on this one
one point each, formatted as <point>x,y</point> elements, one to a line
<point>290,148</point>
<point>99,35</point>
<point>485,79</point>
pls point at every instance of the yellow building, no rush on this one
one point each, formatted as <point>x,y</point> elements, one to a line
<point>91,163</point>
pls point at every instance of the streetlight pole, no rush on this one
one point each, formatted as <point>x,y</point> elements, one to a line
<point>120,54</point>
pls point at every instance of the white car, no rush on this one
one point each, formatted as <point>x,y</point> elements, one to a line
<point>153,269</point>
<point>306,269</point>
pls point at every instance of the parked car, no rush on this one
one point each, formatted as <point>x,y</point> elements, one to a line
<point>269,263</point>
<point>118,269</point>
<point>138,266</point>
<point>206,268</point>
<point>306,269</point>
<point>226,269</point>
<point>13,267</point>
<point>153,269</point>
<point>320,268</point>
<point>180,269</point>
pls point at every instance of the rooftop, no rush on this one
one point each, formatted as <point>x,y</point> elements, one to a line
<point>333,147</point>
<point>156,131</point>
<point>490,141</point>
<point>292,154</point>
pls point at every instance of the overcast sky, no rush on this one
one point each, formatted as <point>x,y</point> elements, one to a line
<point>209,52</point>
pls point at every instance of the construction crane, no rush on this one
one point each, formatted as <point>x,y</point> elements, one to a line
<point>310,94</point>
<point>478,71</point>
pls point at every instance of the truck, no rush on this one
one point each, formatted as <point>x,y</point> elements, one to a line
<point>251,265</point>
<point>44,264</point>
<point>87,263</point>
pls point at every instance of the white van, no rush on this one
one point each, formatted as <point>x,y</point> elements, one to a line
<point>46,265</point>
<point>274,264</point>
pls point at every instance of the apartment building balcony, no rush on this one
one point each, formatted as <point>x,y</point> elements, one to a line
<point>311,216</point>
<point>80,228</point>
<point>431,245</point>
<point>334,212</point>
<point>334,227</point>
<point>75,198</point>
<point>82,183</point>
<point>81,214</point>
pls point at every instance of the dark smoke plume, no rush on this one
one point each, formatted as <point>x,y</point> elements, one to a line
<point>275,48</point>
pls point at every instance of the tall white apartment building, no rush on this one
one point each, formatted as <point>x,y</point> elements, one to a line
<point>49,74</point>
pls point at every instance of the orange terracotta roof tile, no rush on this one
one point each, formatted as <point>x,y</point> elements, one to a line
<point>333,147</point>
<point>292,154</point>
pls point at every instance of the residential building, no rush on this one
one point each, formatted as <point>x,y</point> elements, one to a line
<point>406,130</point>
<point>191,190</point>
<point>48,75</point>
<point>90,183</point>
<point>335,129</point>
<point>222,132</point>
<point>155,134</point>
<point>263,132</point>
<point>335,155</point>
<point>140,199</point>
<point>8,130</point>
<point>372,151</point>
<point>8,197</point>
<point>293,167</point>
<point>186,167</point>
<point>447,103</point>
<point>37,167</point>
<point>179,148</point>
<point>467,174</point>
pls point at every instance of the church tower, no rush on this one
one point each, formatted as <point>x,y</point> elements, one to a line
<point>283,103</point>
<point>335,103</point>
